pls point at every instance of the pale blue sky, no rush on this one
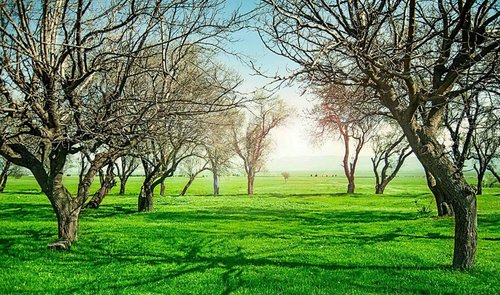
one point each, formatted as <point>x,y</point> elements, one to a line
<point>291,140</point>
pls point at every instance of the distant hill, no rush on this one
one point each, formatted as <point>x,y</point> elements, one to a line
<point>332,164</point>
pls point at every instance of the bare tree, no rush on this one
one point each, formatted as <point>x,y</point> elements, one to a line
<point>413,55</point>
<point>390,150</point>
<point>64,69</point>
<point>253,145</point>
<point>192,167</point>
<point>53,57</point>
<point>218,144</point>
<point>125,166</point>
<point>334,115</point>
<point>486,142</point>
<point>161,156</point>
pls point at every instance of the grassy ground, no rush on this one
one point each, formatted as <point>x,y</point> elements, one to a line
<point>299,237</point>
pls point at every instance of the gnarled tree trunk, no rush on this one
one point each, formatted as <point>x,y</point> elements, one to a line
<point>145,200</point>
<point>108,182</point>
<point>459,193</point>
<point>67,209</point>
<point>444,206</point>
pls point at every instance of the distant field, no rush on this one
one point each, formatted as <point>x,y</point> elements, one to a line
<point>303,236</point>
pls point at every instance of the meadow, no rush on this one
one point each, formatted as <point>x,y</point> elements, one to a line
<point>302,236</point>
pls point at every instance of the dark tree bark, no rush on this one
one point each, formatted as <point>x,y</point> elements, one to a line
<point>145,200</point>
<point>123,185</point>
<point>107,183</point>
<point>459,193</point>
<point>4,175</point>
<point>192,177</point>
<point>188,184</point>
<point>443,204</point>
<point>481,171</point>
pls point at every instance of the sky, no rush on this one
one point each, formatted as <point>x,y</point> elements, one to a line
<point>292,139</point>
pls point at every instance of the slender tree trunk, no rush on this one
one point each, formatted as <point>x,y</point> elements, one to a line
<point>123,183</point>
<point>4,175</point>
<point>162,188</point>
<point>444,207</point>
<point>188,184</point>
<point>145,200</point>
<point>480,178</point>
<point>216,184</point>
<point>250,178</point>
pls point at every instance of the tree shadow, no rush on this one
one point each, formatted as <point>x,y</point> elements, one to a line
<point>232,264</point>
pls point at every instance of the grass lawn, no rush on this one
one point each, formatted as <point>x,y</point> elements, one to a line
<point>300,237</point>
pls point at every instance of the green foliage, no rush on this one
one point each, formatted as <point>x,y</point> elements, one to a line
<point>307,239</point>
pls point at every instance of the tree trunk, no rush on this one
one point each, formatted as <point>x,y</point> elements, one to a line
<point>123,183</point>
<point>216,184</point>
<point>162,188</point>
<point>67,210</point>
<point>480,178</point>
<point>379,188</point>
<point>145,200</point>
<point>107,183</point>
<point>103,191</point>
<point>465,232</point>
<point>4,175</point>
<point>448,179</point>
<point>351,186</point>
<point>188,184</point>
<point>444,207</point>
<point>250,178</point>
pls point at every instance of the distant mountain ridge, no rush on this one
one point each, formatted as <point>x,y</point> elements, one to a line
<point>332,163</point>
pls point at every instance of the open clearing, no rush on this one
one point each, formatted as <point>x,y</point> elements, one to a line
<point>307,239</point>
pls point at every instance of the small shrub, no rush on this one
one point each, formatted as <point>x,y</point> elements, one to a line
<point>423,210</point>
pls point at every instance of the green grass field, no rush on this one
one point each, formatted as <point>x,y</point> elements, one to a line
<point>300,237</point>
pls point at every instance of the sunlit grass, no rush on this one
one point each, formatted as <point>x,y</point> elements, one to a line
<point>304,236</point>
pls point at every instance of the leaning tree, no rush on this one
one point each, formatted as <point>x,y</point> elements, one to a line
<point>412,54</point>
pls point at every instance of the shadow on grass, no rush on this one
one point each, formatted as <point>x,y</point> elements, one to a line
<point>233,266</point>
<point>25,211</point>
<point>311,217</point>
